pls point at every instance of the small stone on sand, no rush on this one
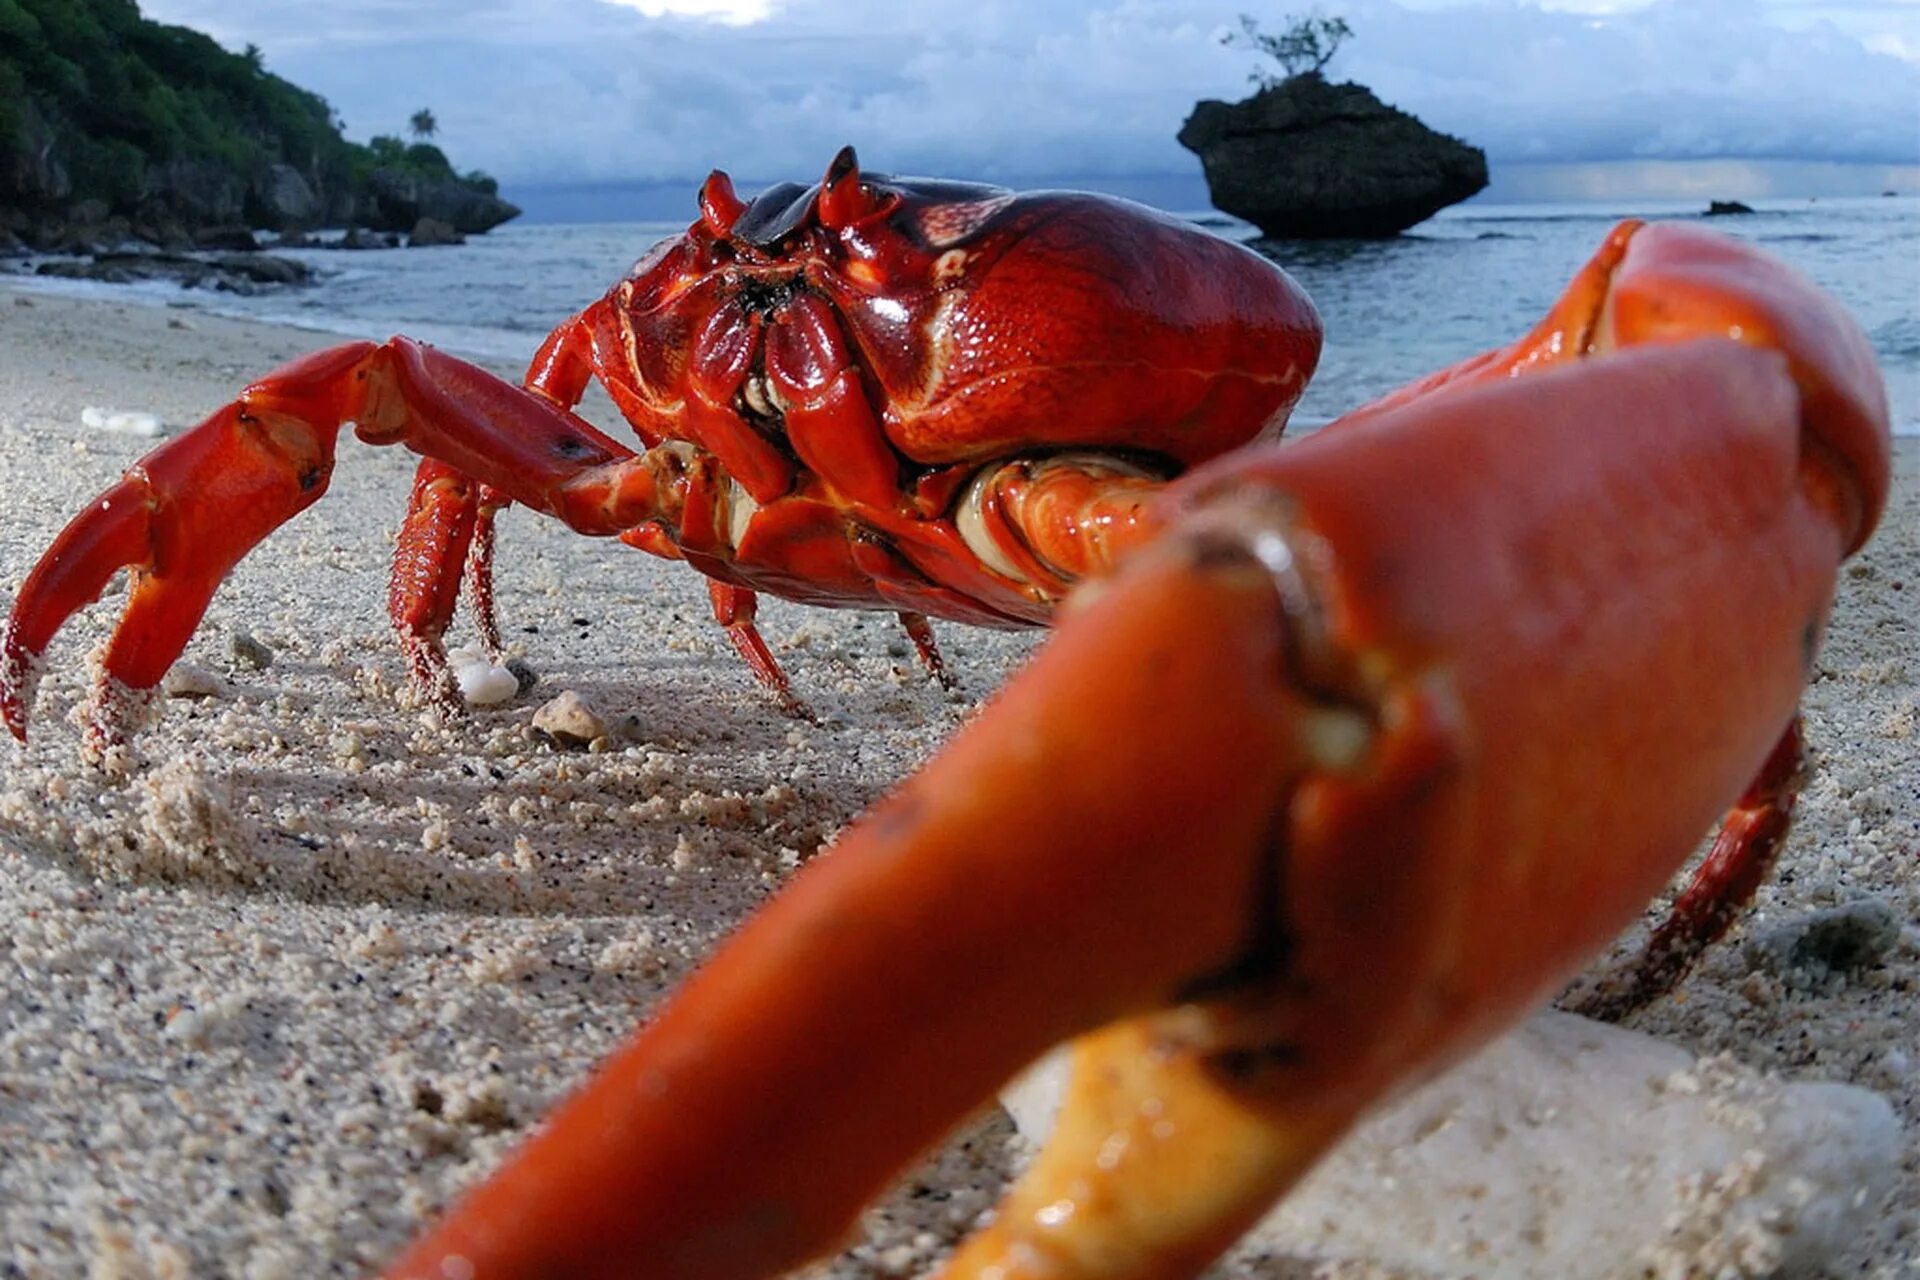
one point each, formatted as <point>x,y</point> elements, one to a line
<point>571,721</point>
<point>185,680</point>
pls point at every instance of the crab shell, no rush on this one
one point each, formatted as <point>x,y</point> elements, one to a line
<point>868,345</point>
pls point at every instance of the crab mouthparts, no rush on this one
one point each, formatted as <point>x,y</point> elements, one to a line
<point>759,403</point>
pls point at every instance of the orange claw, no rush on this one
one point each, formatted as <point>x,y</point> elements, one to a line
<point>179,520</point>
<point>185,514</point>
<point>1341,775</point>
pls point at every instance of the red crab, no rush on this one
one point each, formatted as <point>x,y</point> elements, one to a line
<point>928,396</point>
<point>1358,747</point>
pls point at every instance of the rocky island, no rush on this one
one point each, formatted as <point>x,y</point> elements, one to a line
<point>1308,159</point>
<point>121,135</point>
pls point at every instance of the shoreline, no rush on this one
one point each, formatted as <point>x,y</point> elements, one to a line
<point>498,349</point>
<point>317,961</point>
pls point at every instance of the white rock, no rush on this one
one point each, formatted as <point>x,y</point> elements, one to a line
<point>126,422</point>
<point>1583,1151</point>
<point>185,680</point>
<point>481,683</point>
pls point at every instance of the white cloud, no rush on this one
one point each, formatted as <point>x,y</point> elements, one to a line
<point>553,90</point>
<point>736,13</point>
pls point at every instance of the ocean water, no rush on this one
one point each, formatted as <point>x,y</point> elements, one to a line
<point>1473,277</point>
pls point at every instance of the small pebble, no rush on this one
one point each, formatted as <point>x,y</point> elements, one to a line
<point>524,675</point>
<point>130,422</point>
<point>1819,944</point>
<point>246,653</point>
<point>184,680</point>
<point>485,685</point>
<point>571,721</point>
<point>481,683</point>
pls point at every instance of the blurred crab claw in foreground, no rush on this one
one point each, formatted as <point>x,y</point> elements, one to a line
<point>1380,739</point>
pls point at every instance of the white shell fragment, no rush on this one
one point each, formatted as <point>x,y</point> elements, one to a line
<point>185,680</point>
<point>571,721</point>
<point>129,422</point>
<point>482,683</point>
<point>1582,1151</point>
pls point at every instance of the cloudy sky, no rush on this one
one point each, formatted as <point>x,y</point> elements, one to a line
<point>594,91</point>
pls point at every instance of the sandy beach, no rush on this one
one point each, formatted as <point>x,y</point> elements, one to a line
<point>317,960</point>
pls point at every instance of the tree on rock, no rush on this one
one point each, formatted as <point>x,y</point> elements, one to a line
<point>1303,48</point>
<point>1304,158</point>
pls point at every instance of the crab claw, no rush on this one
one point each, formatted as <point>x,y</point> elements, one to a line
<point>1344,773</point>
<point>112,534</point>
<point>178,520</point>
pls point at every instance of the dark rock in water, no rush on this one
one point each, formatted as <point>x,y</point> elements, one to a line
<point>163,232</point>
<point>432,231</point>
<point>235,239</point>
<point>1306,159</point>
<point>262,268</point>
<point>400,199</point>
<point>227,272</point>
<point>90,232</point>
<point>361,238</point>
<point>1721,208</point>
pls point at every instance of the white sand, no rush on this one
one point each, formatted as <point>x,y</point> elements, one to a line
<point>316,963</point>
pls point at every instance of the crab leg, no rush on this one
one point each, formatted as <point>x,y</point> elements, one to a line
<point>1743,854</point>
<point>435,543</point>
<point>920,631</point>
<point>447,536</point>
<point>186,513</point>
<point>1343,774</point>
<point>735,609</point>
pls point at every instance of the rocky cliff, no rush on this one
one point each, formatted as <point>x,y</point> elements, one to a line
<point>1306,159</point>
<point>112,126</point>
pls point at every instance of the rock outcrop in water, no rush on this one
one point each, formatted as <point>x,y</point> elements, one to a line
<point>1305,159</point>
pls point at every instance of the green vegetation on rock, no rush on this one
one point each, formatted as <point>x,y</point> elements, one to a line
<point>106,114</point>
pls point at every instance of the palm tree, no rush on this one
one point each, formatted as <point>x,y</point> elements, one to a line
<point>423,124</point>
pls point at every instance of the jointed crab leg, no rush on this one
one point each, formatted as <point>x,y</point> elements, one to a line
<point>1346,772</point>
<point>1740,859</point>
<point>188,511</point>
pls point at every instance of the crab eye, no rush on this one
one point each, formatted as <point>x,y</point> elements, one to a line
<point>844,199</point>
<point>720,208</point>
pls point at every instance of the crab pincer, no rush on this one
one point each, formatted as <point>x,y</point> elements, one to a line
<point>186,513</point>
<point>1349,768</point>
<point>178,520</point>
